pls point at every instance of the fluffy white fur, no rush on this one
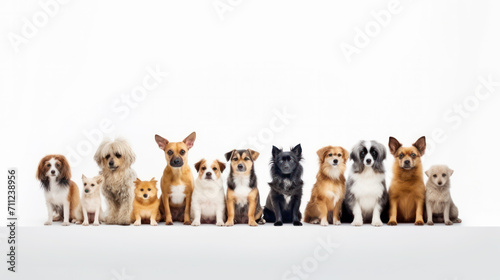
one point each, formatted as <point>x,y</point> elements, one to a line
<point>91,200</point>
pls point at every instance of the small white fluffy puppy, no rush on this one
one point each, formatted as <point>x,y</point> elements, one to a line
<point>208,203</point>
<point>91,200</point>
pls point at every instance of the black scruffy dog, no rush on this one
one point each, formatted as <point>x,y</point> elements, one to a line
<point>283,201</point>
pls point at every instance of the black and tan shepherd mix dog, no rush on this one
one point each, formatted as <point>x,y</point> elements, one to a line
<point>407,191</point>
<point>177,182</point>
<point>243,202</point>
<point>283,201</point>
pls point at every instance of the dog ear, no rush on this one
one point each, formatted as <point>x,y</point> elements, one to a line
<point>450,172</point>
<point>428,173</point>
<point>65,168</point>
<point>420,145</point>
<point>198,164</point>
<point>99,179</point>
<point>40,175</point>
<point>162,142</point>
<point>228,155</point>
<point>321,152</point>
<point>137,181</point>
<point>394,145</point>
<point>276,151</point>
<point>297,150</point>
<point>153,181</point>
<point>222,166</point>
<point>253,154</point>
<point>84,177</point>
<point>345,154</point>
<point>189,141</point>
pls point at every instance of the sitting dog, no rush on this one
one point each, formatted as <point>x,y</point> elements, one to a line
<point>366,195</point>
<point>283,201</point>
<point>177,181</point>
<point>243,201</point>
<point>407,191</point>
<point>328,192</point>
<point>146,203</point>
<point>61,194</point>
<point>91,200</point>
<point>115,159</point>
<point>439,205</point>
<point>208,204</point>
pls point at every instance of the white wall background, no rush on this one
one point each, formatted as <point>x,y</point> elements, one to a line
<point>227,78</point>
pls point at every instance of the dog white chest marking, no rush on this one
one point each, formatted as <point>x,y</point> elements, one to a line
<point>287,199</point>
<point>367,188</point>
<point>177,196</point>
<point>334,196</point>
<point>242,190</point>
<point>57,193</point>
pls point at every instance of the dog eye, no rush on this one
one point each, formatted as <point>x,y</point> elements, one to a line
<point>435,176</point>
<point>57,165</point>
<point>214,169</point>
<point>235,159</point>
<point>108,156</point>
<point>401,156</point>
<point>142,190</point>
<point>170,152</point>
<point>444,175</point>
<point>203,168</point>
<point>374,153</point>
<point>339,155</point>
<point>183,152</point>
<point>84,184</point>
<point>413,155</point>
<point>149,189</point>
<point>48,165</point>
<point>330,154</point>
<point>247,158</point>
<point>92,185</point>
<point>118,155</point>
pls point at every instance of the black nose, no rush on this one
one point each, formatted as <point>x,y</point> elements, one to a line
<point>145,196</point>
<point>335,161</point>
<point>407,162</point>
<point>209,174</point>
<point>440,183</point>
<point>177,161</point>
<point>240,166</point>
<point>86,190</point>
<point>111,163</point>
<point>53,171</point>
<point>368,161</point>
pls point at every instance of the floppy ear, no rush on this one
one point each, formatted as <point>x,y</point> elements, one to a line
<point>420,145</point>
<point>198,164</point>
<point>345,154</point>
<point>189,141</point>
<point>228,155</point>
<point>98,156</point>
<point>65,168</point>
<point>297,150</point>
<point>428,173</point>
<point>253,154</point>
<point>100,179</point>
<point>276,151</point>
<point>162,142</point>
<point>394,145</point>
<point>39,171</point>
<point>222,166</point>
<point>321,152</point>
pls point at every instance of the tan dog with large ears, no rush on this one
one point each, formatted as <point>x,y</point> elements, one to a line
<point>177,182</point>
<point>407,191</point>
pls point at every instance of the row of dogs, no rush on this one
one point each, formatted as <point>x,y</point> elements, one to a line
<point>362,198</point>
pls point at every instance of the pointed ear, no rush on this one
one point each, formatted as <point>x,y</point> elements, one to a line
<point>394,145</point>
<point>428,173</point>
<point>253,154</point>
<point>189,141</point>
<point>162,142</point>
<point>153,181</point>
<point>222,166</point>
<point>137,181</point>
<point>420,145</point>
<point>450,172</point>
<point>100,179</point>
<point>84,177</point>
<point>276,151</point>
<point>297,150</point>
<point>198,164</point>
<point>345,154</point>
<point>228,155</point>
<point>321,152</point>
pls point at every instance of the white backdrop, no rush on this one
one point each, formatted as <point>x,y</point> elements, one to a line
<point>251,74</point>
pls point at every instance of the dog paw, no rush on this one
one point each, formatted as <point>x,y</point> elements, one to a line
<point>278,223</point>
<point>392,223</point>
<point>262,221</point>
<point>253,224</point>
<point>169,223</point>
<point>419,223</point>
<point>324,223</point>
<point>448,223</point>
<point>65,224</point>
<point>96,224</point>
<point>430,223</point>
<point>219,223</point>
<point>187,223</point>
<point>357,223</point>
<point>153,223</point>
<point>377,223</point>
<point>137,223</point>
<point>48,223</point>
<point>229,223</point>
<point>195,223</point>
<point>338,223</point>
<point>85,223</point>
<point>297,223</point>
<point>457,220</point>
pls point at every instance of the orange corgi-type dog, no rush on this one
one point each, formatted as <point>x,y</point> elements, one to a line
<point>177,182</point>
<point>328,192</point>
<point>407,190</point>
<point>146,203</point>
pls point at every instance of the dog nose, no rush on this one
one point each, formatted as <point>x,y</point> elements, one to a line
<point>240,166</point>
<point>145,196</point>
<point>209,174</point>
<point>53,171</point>
<point>177,161</point>
<point>368,161</point>
<point>407,162</point>
<point>440,183</point>
<point>111,163</point>
<point>86,190</point>
<point>335,161</point>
